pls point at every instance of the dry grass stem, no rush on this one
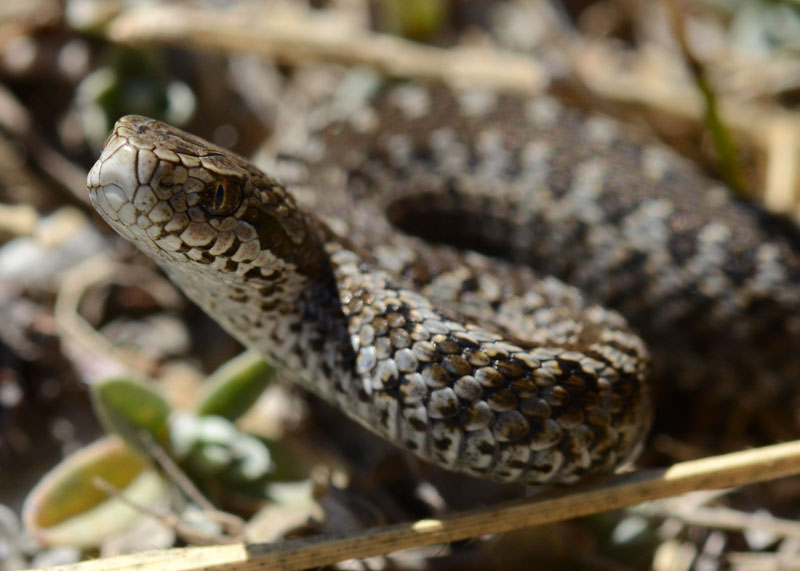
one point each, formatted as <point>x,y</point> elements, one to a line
<point>724,471</point>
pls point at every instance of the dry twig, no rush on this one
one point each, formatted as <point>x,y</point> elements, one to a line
<point>725,471</point>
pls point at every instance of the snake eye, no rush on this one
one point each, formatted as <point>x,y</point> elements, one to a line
<point>221,197</point>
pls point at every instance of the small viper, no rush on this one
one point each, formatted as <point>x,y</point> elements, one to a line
<point>419,286</point>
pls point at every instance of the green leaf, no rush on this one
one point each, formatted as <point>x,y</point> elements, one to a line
<point>128,408</point>
<point>235,386</point>
<point>211,446</point>
<point>66,508</point>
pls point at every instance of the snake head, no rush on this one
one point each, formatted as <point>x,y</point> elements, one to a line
<point>177,196</point>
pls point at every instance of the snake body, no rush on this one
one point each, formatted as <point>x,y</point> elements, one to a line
<point>419,286</point>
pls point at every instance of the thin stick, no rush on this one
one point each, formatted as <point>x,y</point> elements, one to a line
<point>751,466</point>
<point>177,475</point>
<point>170,520</point>
<point>232,524</point>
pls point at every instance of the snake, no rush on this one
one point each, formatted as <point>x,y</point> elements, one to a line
<point>487,280</point>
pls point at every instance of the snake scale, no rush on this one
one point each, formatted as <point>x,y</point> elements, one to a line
<point>422,286</point>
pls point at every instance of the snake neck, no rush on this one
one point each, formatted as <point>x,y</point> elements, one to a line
<point>288,309</point>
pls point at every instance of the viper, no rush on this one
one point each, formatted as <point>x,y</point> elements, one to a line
<point>471,275</point>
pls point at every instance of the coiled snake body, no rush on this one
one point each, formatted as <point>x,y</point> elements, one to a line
<point>481,362</point>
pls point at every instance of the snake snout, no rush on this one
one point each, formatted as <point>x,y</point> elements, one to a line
<point>112,181</point>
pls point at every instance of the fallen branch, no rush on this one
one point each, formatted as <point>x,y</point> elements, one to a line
<point>729,470</point>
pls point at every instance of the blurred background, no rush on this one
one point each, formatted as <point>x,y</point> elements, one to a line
<point>718,80</point>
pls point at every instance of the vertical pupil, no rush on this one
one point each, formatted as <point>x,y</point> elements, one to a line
<point>219,197</point>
